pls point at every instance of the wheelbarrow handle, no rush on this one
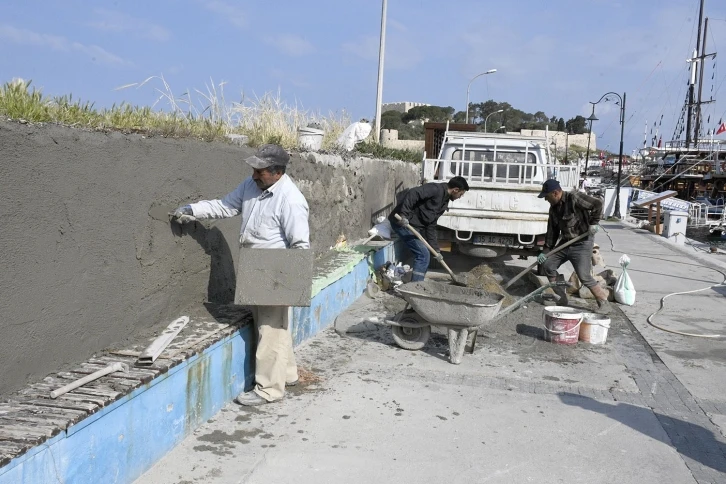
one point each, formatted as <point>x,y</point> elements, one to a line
<point>527,298</point>
<point>553,251</point>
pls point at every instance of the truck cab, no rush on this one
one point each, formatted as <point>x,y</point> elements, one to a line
<point>501,213</point>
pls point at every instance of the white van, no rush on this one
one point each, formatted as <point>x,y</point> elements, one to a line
<point>501,213</point>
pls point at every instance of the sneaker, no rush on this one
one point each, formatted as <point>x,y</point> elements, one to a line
<point>292,383</point>
<point>250,399</point>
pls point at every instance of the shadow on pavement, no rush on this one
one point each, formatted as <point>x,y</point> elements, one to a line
<point>689,439</point>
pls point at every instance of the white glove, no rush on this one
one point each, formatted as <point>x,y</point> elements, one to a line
<point>593,229</point>
<point>541,258</point>
<point>182,215</point>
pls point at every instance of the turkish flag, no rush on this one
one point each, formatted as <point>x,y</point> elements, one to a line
<point>721,128</point>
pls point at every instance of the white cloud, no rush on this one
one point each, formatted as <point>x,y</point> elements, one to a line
<point>231,13</point>
<point>292,45</point>
<point>365,48</point>
<point>119,22</point>
<point>60,44</point>
<point>401,53</point>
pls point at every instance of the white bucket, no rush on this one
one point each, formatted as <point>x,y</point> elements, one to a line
<point>594,328</point>
<point>310,139</point>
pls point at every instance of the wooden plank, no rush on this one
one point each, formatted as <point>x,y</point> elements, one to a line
<point>55,421</point>
<point>88,407</point>
<point>33,429</point>
<point>23,434</point>
<point>10,449</point>
<point>43,391</point>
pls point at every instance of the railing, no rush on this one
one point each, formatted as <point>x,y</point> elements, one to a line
<point>518,173</point>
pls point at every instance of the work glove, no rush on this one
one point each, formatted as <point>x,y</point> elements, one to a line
<point>593,229</point>
<point>182,215</point>
<point>403,222</point>
<point>541,258</point>
<point>439,257</point>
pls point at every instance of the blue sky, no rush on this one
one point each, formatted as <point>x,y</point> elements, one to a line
<point>323,54</point>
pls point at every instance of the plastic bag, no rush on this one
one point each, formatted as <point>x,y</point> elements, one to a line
<point>624,291</point>
<point>353,134</point>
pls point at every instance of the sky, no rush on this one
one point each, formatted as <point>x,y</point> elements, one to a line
<point>322,55</point>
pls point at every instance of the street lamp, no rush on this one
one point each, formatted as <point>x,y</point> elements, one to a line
<point>490,71</point>
<point>621,100</point>
<point>485,119</point>
<point>500,127</point>
<point>589,135</point>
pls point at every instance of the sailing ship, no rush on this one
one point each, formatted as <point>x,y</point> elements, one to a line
<point>695,167</point>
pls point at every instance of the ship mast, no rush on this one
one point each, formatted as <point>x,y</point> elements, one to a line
<point>697,63</point>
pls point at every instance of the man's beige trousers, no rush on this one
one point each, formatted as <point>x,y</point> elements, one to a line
<point>274,358</point>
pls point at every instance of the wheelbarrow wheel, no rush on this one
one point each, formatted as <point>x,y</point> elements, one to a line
<point>411,338</point>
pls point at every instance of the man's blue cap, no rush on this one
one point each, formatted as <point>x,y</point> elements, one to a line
<point>548,187</point>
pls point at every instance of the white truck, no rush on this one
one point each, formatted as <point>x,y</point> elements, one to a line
<point>501,213</point>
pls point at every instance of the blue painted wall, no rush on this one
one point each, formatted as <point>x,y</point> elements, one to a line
<point>125,439</point>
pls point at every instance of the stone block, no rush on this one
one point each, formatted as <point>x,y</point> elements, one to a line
<point>274,277</point>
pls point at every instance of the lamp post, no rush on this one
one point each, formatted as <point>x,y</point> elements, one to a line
<point>490,71</point>
<point>500,127</point>
<point>621,100</point>
<point>487,118</point>
<point>567,144</point>
<point>589,135</point>
<point>379,89</point>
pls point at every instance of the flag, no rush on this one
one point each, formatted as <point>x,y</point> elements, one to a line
<point>721,128</point>
<point>660,142</point>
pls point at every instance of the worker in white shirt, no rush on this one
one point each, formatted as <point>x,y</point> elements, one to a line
<point>274,216</point>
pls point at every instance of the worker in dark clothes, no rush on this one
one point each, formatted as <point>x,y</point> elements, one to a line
<point>421,207</point>
<point>571,215</point>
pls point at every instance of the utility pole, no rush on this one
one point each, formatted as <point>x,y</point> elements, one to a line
<point>379,92</point>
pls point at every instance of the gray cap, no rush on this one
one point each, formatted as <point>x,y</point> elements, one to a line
<point>267,156</point>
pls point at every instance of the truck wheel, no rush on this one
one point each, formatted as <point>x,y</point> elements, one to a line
<point>411,338</point>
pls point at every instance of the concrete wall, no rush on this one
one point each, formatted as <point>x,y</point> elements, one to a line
<point>389,139</point>
<point>561,138</point>
<point>88,258</point>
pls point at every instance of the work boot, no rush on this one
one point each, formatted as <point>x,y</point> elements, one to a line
<point>561,293</point>
<point>601,295</point>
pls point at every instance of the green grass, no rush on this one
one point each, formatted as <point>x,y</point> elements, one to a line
<point>370,147</point>
<point>201,115</point>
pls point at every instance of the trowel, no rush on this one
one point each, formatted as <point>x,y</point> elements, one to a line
<point>457,280</point>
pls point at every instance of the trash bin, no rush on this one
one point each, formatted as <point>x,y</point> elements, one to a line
<point>310,139</point>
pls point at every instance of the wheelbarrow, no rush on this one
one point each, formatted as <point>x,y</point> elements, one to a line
<point>461,310</point>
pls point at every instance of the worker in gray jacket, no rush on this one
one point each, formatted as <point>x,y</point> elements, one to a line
<point>572,214</point>
<point>274,216</point>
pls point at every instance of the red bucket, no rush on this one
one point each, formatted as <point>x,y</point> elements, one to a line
<point>562,324</point>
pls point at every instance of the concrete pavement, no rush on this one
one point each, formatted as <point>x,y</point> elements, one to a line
<point>639,409</point>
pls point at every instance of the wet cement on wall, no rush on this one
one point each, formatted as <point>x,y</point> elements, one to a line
<point>87,261</point>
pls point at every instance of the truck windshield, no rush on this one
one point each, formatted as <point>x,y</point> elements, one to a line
<point>482,165</point>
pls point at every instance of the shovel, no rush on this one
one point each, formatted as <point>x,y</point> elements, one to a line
<point>454,278</point>
<point>554,251</point>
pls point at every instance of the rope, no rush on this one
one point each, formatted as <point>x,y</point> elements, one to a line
<point>662,300</point>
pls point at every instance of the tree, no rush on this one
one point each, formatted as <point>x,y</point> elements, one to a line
<point>561,124</point>
<point>576,125</point>
<point>391,120</point>
<point>436,114</point>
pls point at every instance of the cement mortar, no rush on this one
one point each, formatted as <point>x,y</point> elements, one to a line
<point>88,258</point>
